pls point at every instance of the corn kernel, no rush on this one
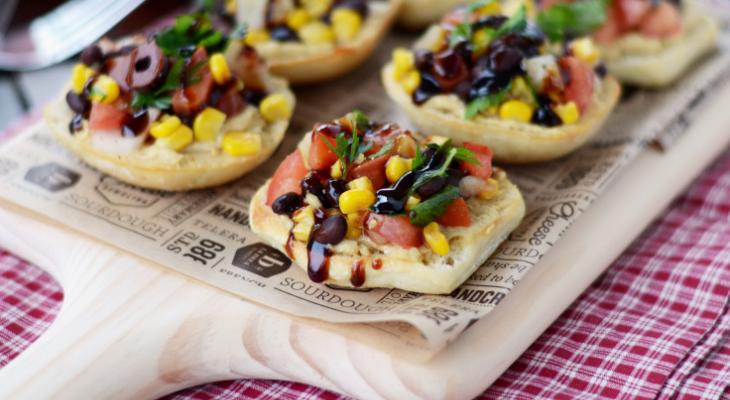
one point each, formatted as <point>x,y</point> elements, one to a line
<point>516,110</point>
<point>411,81</point>
<point>355,200</point>
<point>219,68</point>
<point>104,90</point>
<point>256,36</point>
<point>363,183</point>
<point>585,50</point>
<point>303,223</point>
<point>297,18</point>
<point>316,32</point>
<point>207,124</point>
<point>346,23</point>
<point>437,140</point>
<point>80,74</point>
<point>396,167</point>
<point>241,143</point>
<point>491,191</point>
<point>353,225</point>
<point>275,106</point>
<point>521,90</point>
<point>568,112</point>
<point>403,62</point>
<point>336,169</point>
<point>317,8</point>
<point>180,138</point>
<point>481,38</point>
<point>231,6</point>
<point>165,127</point>
<point>435,239</point>
<point>405,146</point>
<point>412,202</point>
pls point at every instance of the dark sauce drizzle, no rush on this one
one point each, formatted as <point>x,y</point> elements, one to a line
<point>357,275</point>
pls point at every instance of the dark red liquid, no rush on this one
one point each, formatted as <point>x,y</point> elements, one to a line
<point>319,262</point>
<point>377,264</point>
<point>357,276</point>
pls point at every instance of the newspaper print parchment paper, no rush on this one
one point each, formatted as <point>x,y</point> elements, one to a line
<point>205,234</point>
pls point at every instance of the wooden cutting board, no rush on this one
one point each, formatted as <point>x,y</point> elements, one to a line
<point>129,328</point>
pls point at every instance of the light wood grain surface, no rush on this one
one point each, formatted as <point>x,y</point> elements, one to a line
<point>131,329</point>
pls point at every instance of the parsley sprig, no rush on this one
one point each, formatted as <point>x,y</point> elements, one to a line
<point>348,149</point>
<point>190,31</point>
<point>160,97</point>
<point>451,153</point>
<point>480,104</point>
<point>433,207</point>
<point>579,18</point>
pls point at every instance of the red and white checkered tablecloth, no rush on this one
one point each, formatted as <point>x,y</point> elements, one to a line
<point>655,325</point>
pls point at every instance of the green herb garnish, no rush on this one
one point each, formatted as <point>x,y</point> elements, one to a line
<point>190,31</point>
<point>480,104</point>
<point>161,98</point>
<point>433,207</point>
<point>347,149</point>
<point>385,149</point>
<point>460,33</point>
<point>516,23</point>
<point>452,153</point>
<point>572,19</point>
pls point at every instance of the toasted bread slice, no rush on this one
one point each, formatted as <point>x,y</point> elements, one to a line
<point>155,167</point>
<point>301,64</point>
<point>391,266</point>
<point>511,141</point>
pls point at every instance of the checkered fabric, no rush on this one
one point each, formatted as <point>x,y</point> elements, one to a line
<point>655,325</point>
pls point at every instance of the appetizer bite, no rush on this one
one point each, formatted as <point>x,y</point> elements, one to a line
<point>184,109</point>
<point>643,42</point>
<point>484,78</point>
<point>309,41</point>
<point>365,204</point>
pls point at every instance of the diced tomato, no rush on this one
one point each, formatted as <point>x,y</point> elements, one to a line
<point>288,177</point>
<point>456,214</point>
<point>393,229</point>
<point>483,154</point>
<point>373,169</point>
<point>320,155</point>
<point>189,100</point>
<point>663,20</point>
<point>630,12</point>
<point>108,117</point>
<point>580,81</point>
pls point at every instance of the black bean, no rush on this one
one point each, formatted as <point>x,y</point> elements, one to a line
<point>431,187</point>
<point>137,121</point>
<point>287,203</point>
<point>506,60</point>
<point>77,102</point>
<point>331,231</point>
<point>453,176</point>
<point>76,123</point>
<point>283,34</point>
<point>544,114</point>
<point>601,70</point>
<point>335,188</point>
<point>91,55</point>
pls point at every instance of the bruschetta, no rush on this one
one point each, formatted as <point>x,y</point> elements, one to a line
<point>651,43</point>
<point>486,78</point>
<point>186,108</point>
<point>373,205</point>
<point>308,41</point>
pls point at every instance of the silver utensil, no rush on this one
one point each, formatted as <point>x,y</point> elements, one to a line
<point>61,33</point>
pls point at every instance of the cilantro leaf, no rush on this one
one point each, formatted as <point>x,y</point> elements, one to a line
<point>482,103</point>
<point>461,32</point>
<point>385,149</point>
<point>190,31</point>
<point>572,19</point>
<point>433,207</point>
<point>466,155</point>
<point>419,159</point>
<point>515,23</point>
<point>358,120</point>
<point>346,149</point>
<point>161,97</point>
